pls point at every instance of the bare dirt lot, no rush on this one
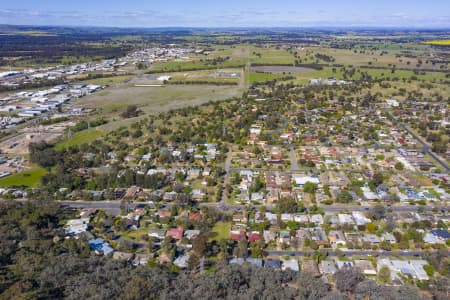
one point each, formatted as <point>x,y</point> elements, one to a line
<point>19,143</point>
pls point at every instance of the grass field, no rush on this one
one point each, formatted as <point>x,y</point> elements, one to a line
<point>178,66</point>
<point>438,43</point>
<point>137,235</point>
<point>262,77</point>
<point>153,100</point>
<point>107,80</point>
<point>79,138</point>
<point>29,178</point>
<point>221,231</point>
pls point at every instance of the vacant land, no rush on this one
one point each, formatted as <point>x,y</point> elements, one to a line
<point>29,178</point>
<point>79,138</point>
<point>221,231</point>
<point>280,69</point>
<point>153,100</point>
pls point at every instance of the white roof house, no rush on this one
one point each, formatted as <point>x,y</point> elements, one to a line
<point>345,219</point>
<point>317,219</point>
<point>290,264</point>
<point>360,219</point>
<point>300,180</point>
<point>392,102</point>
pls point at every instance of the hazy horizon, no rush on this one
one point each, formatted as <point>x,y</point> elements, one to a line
<point>232,14</point>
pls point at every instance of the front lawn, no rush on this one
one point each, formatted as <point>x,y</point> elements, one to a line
<point>221,231</point>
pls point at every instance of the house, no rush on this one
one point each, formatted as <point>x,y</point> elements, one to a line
<point>285,236</point>
<point>193,174</point>
<point>182,261</point>
<point>77,226</point>
<point>291,264</point>
<point>163,214</point>
<point>336,238</point>
<point>237,261</point>
<point>300,180</point>
<point>346,219</point>
<point>170,196</point>
<point>206,172</point>
<point>238,235</point>
<point>271,217</point>
<point>441,234</point>
<point>141,259</point>
<point>392,102</point>
<point>164,258</point>
<point>327,267</point>
<point>344,264</point>
<point>175,233</point>
<point>412,268</point>
<point>100,246</point>
<point>257,197</point>
<point>195,216</point>
<point>190,234</point>
<point>365,267</point>
<point>273,195</point>
<point>388,237</point>
<point>310,266</point>
<point>157,233</point>
<point>269,235</point>
<point>286,217</point>
<point>253,236</point>
<point>371,238</point>
<point>240,217</point>
<point>198,195</point>
<point>277,180</point>
<point>317,219</point>
<point>122,255</point>
<point>255,261</point>
<point>302,234</point>
<point>87,212</point>
<point>134,192</point>
<point>430,238</point>
<point>360,219</point>
<point>273,263</point>
<point>259,217</point>
<point>318,235</point>
<point>80,221</point>
<point>301,219</point>
<point>418,268</point>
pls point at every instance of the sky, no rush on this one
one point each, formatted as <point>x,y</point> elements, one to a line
<point>228,13</point>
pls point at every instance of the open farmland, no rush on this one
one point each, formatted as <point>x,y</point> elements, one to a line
<point>280,69</point>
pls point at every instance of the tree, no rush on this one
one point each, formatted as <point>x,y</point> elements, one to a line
<point>287,205</point>
<point>199,244</point>
<point>256,249</point>
<point>399,166</point>
<point>384,275</point>
<point>378,212</point>
<point>344,197</point>
<point>347,279</point>
<point>131,112</point>
<point>377,178</point>
<point>371,227</point>
<point>429,270</point>
<point>385,245</point>
<point>309,187</point>
<point>43,154</point>
<point>242,248</point>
